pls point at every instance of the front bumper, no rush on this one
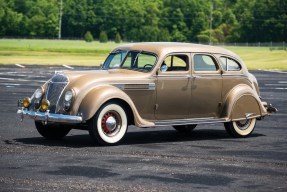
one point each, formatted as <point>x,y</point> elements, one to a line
<point>49,117</point>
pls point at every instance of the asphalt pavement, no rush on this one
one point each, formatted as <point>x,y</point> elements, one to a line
<point>156,159</point>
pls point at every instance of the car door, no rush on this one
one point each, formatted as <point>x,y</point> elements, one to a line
<point>173,88</point>
<point>206,87</point>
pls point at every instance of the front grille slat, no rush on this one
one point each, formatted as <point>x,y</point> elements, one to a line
<point>55,89</point>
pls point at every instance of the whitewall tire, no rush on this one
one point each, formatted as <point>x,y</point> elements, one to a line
<point>109,125</point>
<point>242,128</point>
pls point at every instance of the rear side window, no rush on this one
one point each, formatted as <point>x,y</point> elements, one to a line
<point>204,63</point>
<point>176,62</point>
<point>229,64</point>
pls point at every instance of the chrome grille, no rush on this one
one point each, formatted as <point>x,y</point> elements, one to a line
<point>55,89</point>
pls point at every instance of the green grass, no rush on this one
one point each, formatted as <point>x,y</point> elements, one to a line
<point>261,57</point>
<point>53,52</point>
<point>55,45</point>
<point>75,52</point>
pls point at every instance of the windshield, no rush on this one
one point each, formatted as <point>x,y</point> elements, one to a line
<point>133,60</point>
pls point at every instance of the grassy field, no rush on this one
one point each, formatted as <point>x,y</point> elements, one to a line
<point>261,57</point>
<point>53,52</point>
<point>74,52</point>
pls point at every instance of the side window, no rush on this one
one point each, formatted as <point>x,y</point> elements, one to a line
<point>229,64</point>
<point>128,63</point>
<point>146,61</point>
<point>138,60</point>
<point>176,63</point>
<point>223,62</point>
<point>204,63</point>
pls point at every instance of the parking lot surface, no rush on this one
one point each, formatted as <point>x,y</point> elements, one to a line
<point>156,159</point>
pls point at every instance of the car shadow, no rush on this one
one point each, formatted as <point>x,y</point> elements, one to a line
<point>139,137</point>
<point>169,136</point>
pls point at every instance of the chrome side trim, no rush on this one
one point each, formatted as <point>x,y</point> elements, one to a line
<point>129,86</point>
<point>49,117</point>
<point>190,121</point>
<point>175,76</point>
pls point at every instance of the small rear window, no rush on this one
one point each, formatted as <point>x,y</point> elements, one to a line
<point>229,64</point>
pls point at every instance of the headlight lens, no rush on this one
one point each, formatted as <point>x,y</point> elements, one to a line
<point>45,105</point>
<point>68,99</point>
<point>38,93</point>
<point>26,102</point>
<point>69,95</point>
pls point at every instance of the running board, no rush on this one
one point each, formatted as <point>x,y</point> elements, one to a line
<point>190,121</point>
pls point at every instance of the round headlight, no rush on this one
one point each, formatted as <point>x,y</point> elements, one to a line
<point>45,105</point>
<point>26,102</point>
<point>38,93</point>
<point>69,95</point>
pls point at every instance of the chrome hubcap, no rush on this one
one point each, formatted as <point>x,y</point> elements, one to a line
<point>111,123</point>
<point>244,124</point>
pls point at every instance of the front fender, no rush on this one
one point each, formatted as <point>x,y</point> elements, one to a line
<point>243,102</point>
<point>102,94</point>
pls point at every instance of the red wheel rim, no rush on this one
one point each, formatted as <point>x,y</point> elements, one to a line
<point>111,123</point>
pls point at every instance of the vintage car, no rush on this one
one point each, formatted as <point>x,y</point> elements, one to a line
<point>149,85</point>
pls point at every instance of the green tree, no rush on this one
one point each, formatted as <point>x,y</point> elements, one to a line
<point>88,37</point>
<point>118,38</point>
<point>103,37</point>
<point>146,20</point>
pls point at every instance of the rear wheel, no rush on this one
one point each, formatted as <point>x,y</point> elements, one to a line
<point>109,125</point>
<point>52,132</point>
<point>242,128</point>
<point>184,128</point>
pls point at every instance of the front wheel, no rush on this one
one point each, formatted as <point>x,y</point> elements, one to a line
<point>52,132</point>
<point>109,125</point>
<point>240,129</point>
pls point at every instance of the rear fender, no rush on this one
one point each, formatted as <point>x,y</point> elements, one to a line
<point>242,102</point>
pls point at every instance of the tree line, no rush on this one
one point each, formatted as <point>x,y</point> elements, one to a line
<point>148,20</point>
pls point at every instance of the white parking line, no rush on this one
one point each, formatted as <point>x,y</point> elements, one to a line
<point>67,66</point>
<point>279,86</point>
<point>269,84</point>
<point>274,71</point>
<point>18,65</point>
<point>11,79</point>
<point>16,72</point>
<point>10,84</point>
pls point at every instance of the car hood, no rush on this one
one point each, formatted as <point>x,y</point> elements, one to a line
<point>80,79</point>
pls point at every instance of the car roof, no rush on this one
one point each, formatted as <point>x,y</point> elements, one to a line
<point>160,48</point>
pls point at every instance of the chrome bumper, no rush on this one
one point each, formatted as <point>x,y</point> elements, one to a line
<point>49,117</point>
<point>269,107</point>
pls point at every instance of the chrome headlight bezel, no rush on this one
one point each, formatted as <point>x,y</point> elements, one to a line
<point>68,98</point>
<point>37,97</point>
<point>69,95</point>
<point>38,94</point>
